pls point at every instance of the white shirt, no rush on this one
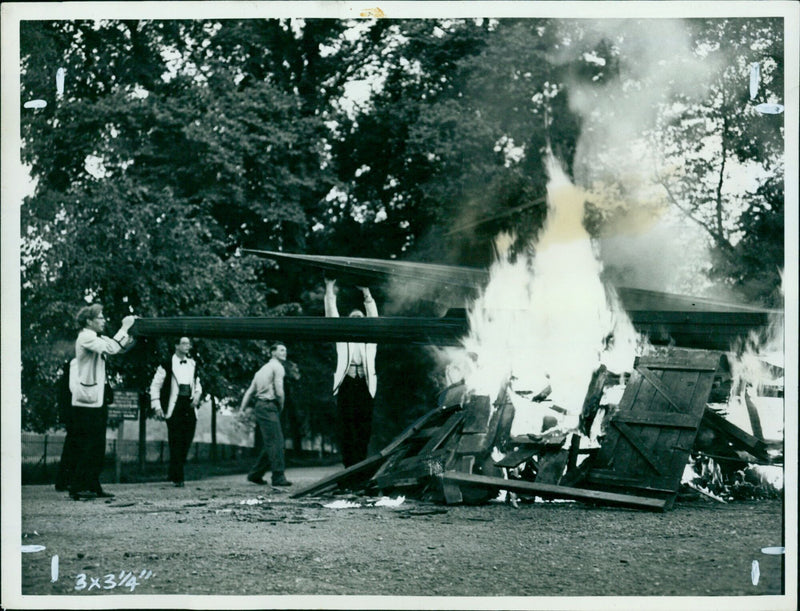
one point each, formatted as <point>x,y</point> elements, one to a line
<point>184,372</point>
<point>356,358</point>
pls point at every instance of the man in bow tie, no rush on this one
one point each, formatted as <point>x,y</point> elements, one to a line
<point>177,402</point>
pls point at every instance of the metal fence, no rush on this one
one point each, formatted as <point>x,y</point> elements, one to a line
<point>41,453</point>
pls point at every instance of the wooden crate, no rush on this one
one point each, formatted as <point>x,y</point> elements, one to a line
<point>650,438</point>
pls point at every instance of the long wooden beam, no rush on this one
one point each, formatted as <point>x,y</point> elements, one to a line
<point>633,299</point>
<point>710,331</point>
<point>450,275</point>
<point>384,330</point>
<point>553,491</point>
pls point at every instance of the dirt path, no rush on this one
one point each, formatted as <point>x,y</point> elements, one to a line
<point>204,539</point>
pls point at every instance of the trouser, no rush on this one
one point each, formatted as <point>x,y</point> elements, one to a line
<point>355,419</point>
<point>180,432</point>
<point>89,430</point>
<point>69,456</point>
<point>268,417</point>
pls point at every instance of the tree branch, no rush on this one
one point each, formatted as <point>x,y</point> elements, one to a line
<point>718,237</point>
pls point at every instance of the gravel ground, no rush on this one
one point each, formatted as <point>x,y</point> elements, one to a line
<point>205,539</point>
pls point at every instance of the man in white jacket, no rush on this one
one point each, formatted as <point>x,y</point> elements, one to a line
<point>175,395</point>
<point>354,382</point>
<point>87,386</point>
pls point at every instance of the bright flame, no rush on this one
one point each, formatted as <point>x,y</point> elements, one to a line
<point>545,317</point>
<point>757,364</point>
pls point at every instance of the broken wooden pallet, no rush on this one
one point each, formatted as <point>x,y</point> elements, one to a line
<point>360,473</point>
<point>735,437</point>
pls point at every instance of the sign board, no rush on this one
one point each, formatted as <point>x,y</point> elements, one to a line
<point>125,405</point>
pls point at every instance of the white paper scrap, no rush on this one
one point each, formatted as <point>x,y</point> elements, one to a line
<point>342,505</point>
<point>386,501</point>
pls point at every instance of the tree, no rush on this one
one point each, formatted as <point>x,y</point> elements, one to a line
<point>721,137</point>
<point>163,165</point>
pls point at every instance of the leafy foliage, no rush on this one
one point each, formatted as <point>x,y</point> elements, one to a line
<point>176,143</point>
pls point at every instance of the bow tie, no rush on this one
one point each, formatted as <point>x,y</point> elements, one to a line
<point>183,362</point>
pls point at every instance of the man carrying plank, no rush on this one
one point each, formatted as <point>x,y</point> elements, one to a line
<point>354,382</point>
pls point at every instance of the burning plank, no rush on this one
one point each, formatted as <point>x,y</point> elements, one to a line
<point>666,318</point>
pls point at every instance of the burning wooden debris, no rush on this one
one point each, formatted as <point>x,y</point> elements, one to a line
<point>632,453</point>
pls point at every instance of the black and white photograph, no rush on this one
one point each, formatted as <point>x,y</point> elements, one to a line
<point>404,305</point>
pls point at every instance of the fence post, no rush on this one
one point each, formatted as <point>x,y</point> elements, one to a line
<point>117,450</point>
<point>213,429</point>
<point>144,403</point>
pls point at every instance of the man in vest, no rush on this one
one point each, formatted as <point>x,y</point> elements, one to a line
<point>175,394</point>
<point>267,387</point>
<point>354,383</point>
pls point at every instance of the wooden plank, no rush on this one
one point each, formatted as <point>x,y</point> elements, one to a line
<point>472,444</point>
<point>574,450</point>
<point>735,435</point>
<point>417,330</point>
<point>679,386</point>
<point>680,358</point>
<point>451,493</point>
<point>551,466</point>
<point>607,476</point>
<point>359,469</point>
<point>442,433</point>
<point>516,457</point>
<point>611,445</point>
<point>669,419</point>
<point>477,413</point>
<point>680,442</point>
<point>638,444</point>
<point>416,426</point>
<point>466,464</point>
<point>591,403</point>
<point>648,375</point>
<point>625,457</point>
<point>522,440</point>
<point>412,471</point>
<point>676,392</point>
<point>682,367</point>
<point>553,491</point>
<point>376,460</point>
<point>755,420</point>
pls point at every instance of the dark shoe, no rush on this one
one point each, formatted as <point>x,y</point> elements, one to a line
<point>178,484</point>
<point>254,480</point>
<point>83,495</point>
<point>102,494</point>
<point>62,488</point>
<point>281,481</point>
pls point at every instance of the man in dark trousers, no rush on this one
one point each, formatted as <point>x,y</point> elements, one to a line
<point>174,395</point>
<point>354,382</point>
<point>69,452</point>
<point>267,386</point>
<point>89,400</point>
